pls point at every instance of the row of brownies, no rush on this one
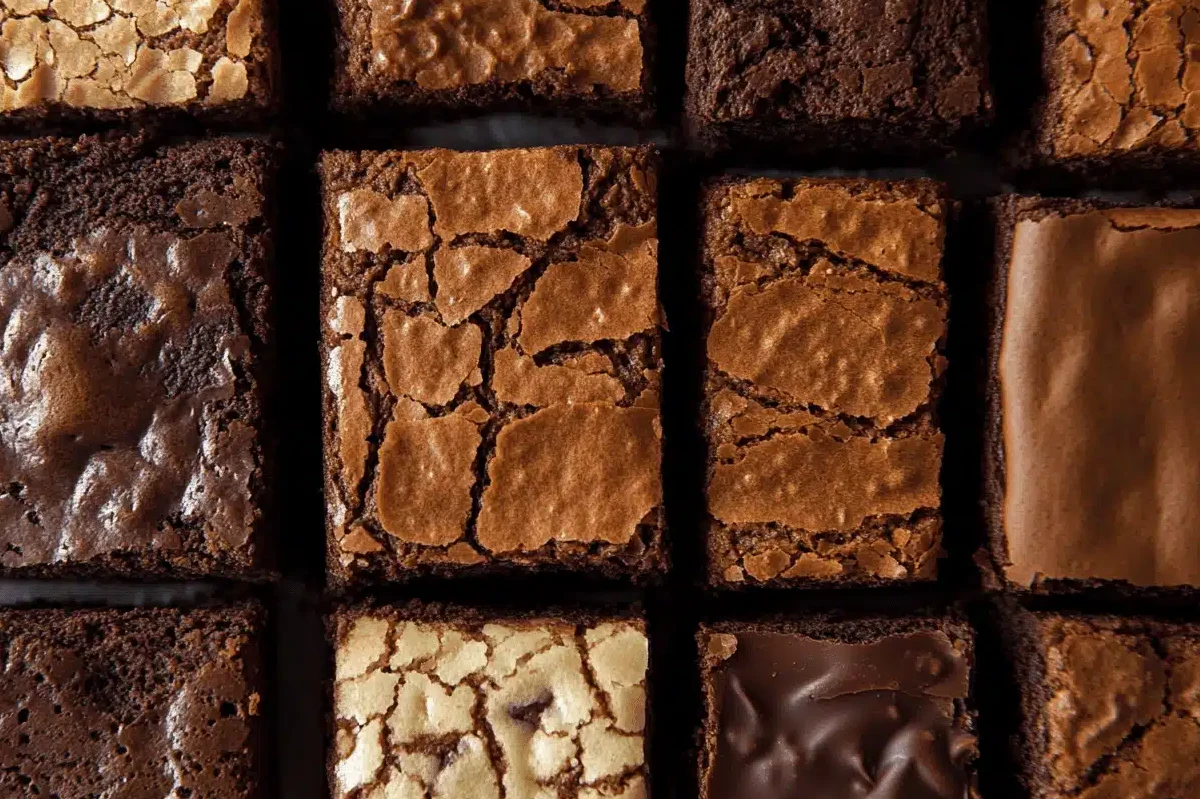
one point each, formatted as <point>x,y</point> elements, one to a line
<point>492,356</point>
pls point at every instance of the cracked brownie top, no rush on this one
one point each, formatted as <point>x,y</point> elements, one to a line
<point>826,320</point>
<point>492,360</point>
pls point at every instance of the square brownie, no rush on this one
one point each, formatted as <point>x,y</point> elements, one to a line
<point>111,60</point>
<point>825,323</point>
<point>850,75</point>
<point>492,351</point>
<point>1091,479</point>
<point>132,703</point>
<point>134,289</point>
<point>449,703</point>
<point>1110,707</point>
<point>492,55</point>
<point>838,709</point>
<point>1119,80</point>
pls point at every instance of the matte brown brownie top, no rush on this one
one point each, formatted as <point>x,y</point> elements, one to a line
<point>519,708</point>
<point>491,325</point>
<point>127,54</point>
<point>1098,391</point>
<point>134,292</point>
<point>130,703</point>
<point>1122,76</point>
<point>827,315</point>
<point>1119,709</point>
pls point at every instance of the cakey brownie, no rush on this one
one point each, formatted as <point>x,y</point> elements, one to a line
<point>456,704</point>
<point>131,703</point>
<point>1110,706</point>
<point>851,75</point>
<point>488,55</point>
<point>845,709</point>
<point>135,296</point>
<point>826,323</point>
<point>115,59</point>
<point>1092,478</point>
<point>492,357</point>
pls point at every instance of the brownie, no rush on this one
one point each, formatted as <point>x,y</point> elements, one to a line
<point>848,75</point>
<point>134,290</point>
<point>825,317</point>
<point>490,55</point>
<point>838,709</point>
<point>492,356</point>
<point>129,703</point>
<point>1109,706</point>
<point>1091,479</point>
<point>1119,81</point>
<point>112,60</point>
<point>441,702</point>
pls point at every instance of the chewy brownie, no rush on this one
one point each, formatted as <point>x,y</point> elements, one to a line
<point>1091,472</point>
<point>1110,706</point>
<point>826,323</point>
<point>492,357</point>
<point>112,59</point>
<point>456,704</point>
<point>489,55</point>
<point>864,707</point>
<point>134,292</point>
<point>852,75</point>
<point>132,703</point>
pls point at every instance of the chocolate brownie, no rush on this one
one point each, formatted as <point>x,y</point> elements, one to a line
<point>826,324</point>
<point>866,707</point>
<point>459,704</point>
<point>857,75</point>
<point>1110,706</point>
<point>1091,474</point>
<point>131,703</point>
<point>134,292</point>
<point>113,59</point>
<point>489,55</point>
<point>492,358</point>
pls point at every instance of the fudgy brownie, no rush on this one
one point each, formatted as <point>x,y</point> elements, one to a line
<point>853,75</point>
<point>456,704</point>
<point>1110,706</point>
<point>131,703</point>
<point>494,54</point>
<point>826,324</point>
<point>135,295</point>
<point>1090,467</point>
<point>838,709</point>
<point>112,59</point>
<point>1120,80</point>
<point>492,357</point>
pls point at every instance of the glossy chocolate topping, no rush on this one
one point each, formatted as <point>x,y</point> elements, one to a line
<point>819,719</point>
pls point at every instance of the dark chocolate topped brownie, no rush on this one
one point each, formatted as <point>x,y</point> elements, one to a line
<point>856,75</point>
<point>826,323</point>
<point>134,292</point>
<point>489,55</point>
<point>492,358</point>
<point>131,703</point>
<point>1091,474</point>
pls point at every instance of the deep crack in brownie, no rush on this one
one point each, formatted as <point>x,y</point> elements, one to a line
<point>851,75</point>
<point>838,709</point>
<point>1091,475</point>
<point>134,290</point>
<point>1110,707</point>
<point>490,55</point>
<point>112,59</point>
<point>457,704</point>
<point>492,359</point>
<point>826,324</point>
<point>131,703</point>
